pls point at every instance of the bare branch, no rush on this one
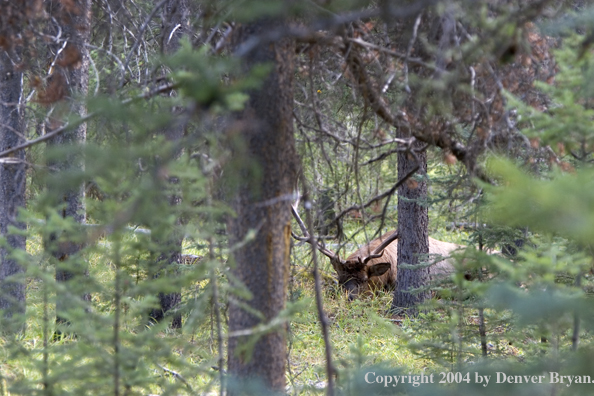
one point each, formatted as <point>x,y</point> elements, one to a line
<point>396,54</point>
<point>379,197</point>
<point>309,239</point>
<point>381,108</point>
<point>140,33</point>
<point>76,123</point>
<point>314,32</point>
<point>321,314</point>
<point>299,221</point>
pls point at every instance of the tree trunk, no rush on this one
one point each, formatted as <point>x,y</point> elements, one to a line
<point>12,189</point>
<point>175,25</point>
<point>74,67</point>
<point>262,203</point>
<point>413,240</point>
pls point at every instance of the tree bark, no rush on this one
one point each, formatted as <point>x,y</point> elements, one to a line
<point>74,67</point>
<point>262,203</point>
<point>413,222</point>
<point>175,26</point>
<point>12,189</point>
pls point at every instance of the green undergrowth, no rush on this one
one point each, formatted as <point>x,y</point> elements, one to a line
<point>362,333</point>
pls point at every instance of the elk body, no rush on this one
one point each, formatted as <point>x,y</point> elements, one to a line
<point>374,265</point>
<point>361,272</point>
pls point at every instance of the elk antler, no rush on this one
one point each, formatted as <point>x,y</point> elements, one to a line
<point>307,238</point>
<point>379,251</point>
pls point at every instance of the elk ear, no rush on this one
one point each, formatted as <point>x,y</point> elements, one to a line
<point>378,269</point>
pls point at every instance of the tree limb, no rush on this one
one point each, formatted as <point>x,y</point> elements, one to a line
<point>76,123</point>
<point>375,100</point>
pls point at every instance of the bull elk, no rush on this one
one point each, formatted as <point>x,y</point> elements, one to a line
<point>374,265</point>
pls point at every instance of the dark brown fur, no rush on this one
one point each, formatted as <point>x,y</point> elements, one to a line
<point>357,278</point>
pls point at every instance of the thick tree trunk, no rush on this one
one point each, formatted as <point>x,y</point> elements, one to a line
<point>74,66</point>
<point>262,204</point>
<point>413,222</point>
<point>175,26</point>
<point>12,188</point>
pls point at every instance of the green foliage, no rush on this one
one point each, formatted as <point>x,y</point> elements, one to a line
<point>108,345</point>
<point>567,123</point>
<point>561,206</point>
<point>198,76</point>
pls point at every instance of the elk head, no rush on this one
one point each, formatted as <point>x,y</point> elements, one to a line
<point>356,272</point>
